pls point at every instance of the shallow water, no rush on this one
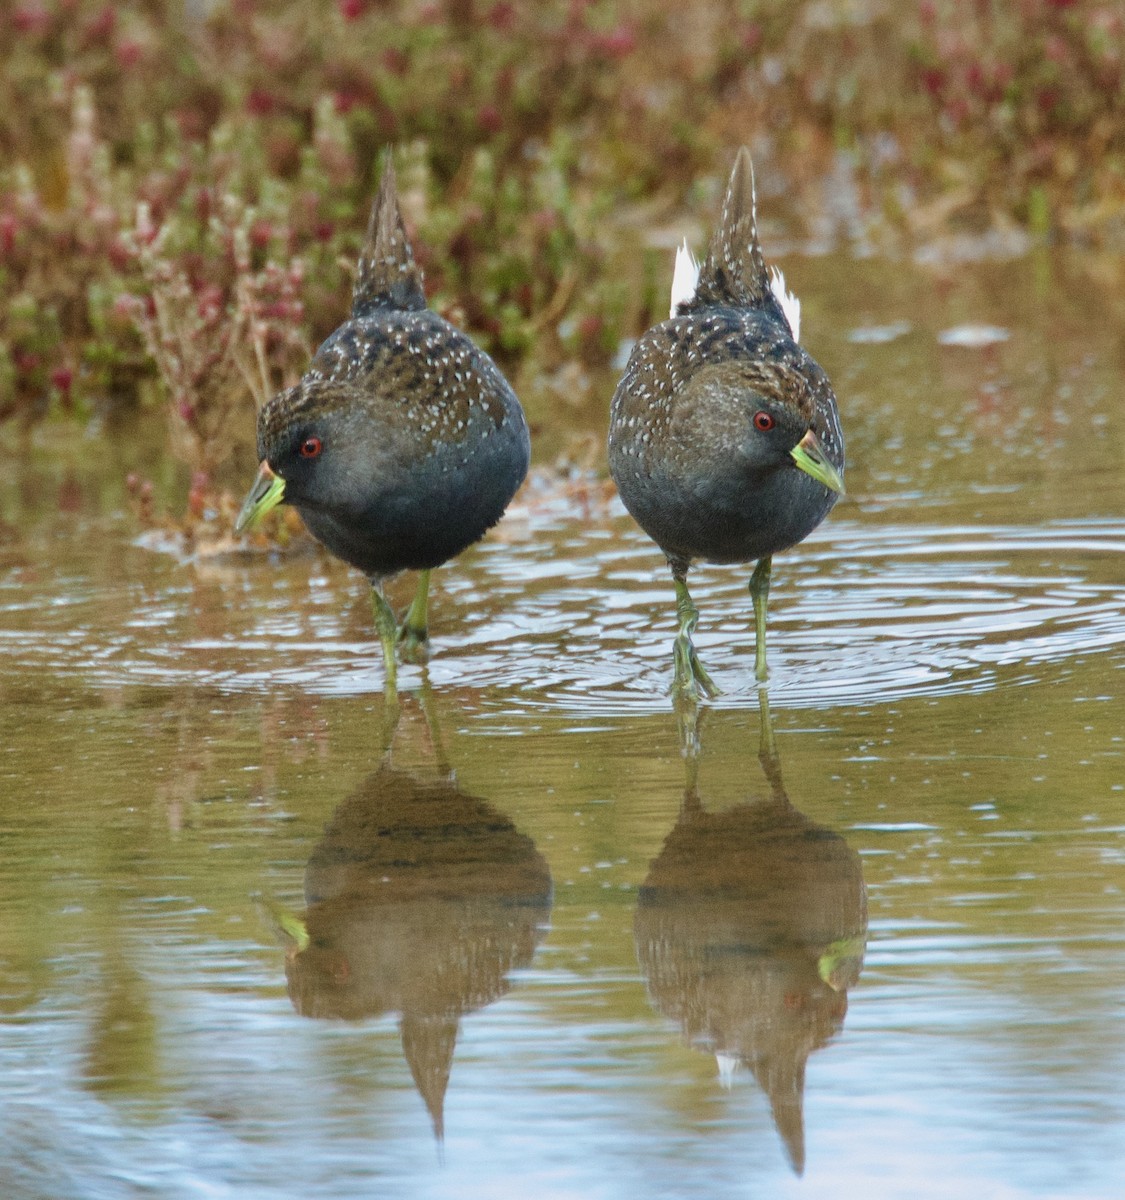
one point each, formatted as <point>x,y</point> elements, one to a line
<point>245,953</point>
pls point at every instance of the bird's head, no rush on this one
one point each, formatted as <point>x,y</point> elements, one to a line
<point>310,443</point>
<point>779,434</point>
<point>769,411</point>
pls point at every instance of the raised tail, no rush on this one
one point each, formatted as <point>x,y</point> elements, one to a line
<point>387,276</point>
<point>735,272</point>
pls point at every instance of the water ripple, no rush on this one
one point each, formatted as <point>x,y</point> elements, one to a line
<point>582,619</point>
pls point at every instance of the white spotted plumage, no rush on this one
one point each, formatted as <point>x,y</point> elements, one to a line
<point>685,277</point>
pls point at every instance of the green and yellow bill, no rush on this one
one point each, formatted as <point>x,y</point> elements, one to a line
<point>840,964</point>
<point>268,492</point>
<point>809,455</point>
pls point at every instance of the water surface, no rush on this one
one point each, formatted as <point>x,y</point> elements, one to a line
<point>257,939</point>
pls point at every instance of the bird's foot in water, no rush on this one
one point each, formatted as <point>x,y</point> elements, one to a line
<point>413,643</point>
<point>761,672</point>
<point>759,594</point>
<point>413,634</point>
<point>690,680</point>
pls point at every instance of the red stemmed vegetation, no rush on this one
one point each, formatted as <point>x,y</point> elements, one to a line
<point>184,188</point>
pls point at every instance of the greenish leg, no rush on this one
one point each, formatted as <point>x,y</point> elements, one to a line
<point>414,636</point>
<point>760,595</point>
<point>690,678</point>
<point>387,628</point>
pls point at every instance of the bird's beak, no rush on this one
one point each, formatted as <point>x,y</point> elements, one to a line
<point>286,925</point>
<point>809,455</point>
<point>268,492</point>
<point>840,964</point>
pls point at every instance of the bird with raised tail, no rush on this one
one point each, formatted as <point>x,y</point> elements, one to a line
<point>724,436</point>
<point>402,444</point>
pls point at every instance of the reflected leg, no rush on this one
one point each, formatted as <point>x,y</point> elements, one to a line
<point>767,746</point>
<point>433,727</point>
<point>688,724</point>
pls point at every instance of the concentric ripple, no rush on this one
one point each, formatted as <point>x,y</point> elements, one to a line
<point>578,616</point>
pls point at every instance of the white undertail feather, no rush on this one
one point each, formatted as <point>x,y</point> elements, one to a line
<point>685,277</point>
<point>727,1064</point>
<point>790,305</point>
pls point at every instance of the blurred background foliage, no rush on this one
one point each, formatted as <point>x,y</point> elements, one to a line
<point>184,184</point>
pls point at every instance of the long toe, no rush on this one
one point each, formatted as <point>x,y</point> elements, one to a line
<point>690,680</point>
<point>683,677</point>
<point>707,684</point>
<point>413,644</point>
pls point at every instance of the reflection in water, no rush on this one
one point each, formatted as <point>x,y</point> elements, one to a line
<point>750,927</point>
<point>421,900</point>
<point>122,1050</point>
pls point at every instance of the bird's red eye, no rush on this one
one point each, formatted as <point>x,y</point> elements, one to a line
<point>763,422</point>
<point>311,447</point>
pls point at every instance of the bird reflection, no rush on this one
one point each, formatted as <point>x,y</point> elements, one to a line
<point>750,928</point>
<point>421,900</point>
